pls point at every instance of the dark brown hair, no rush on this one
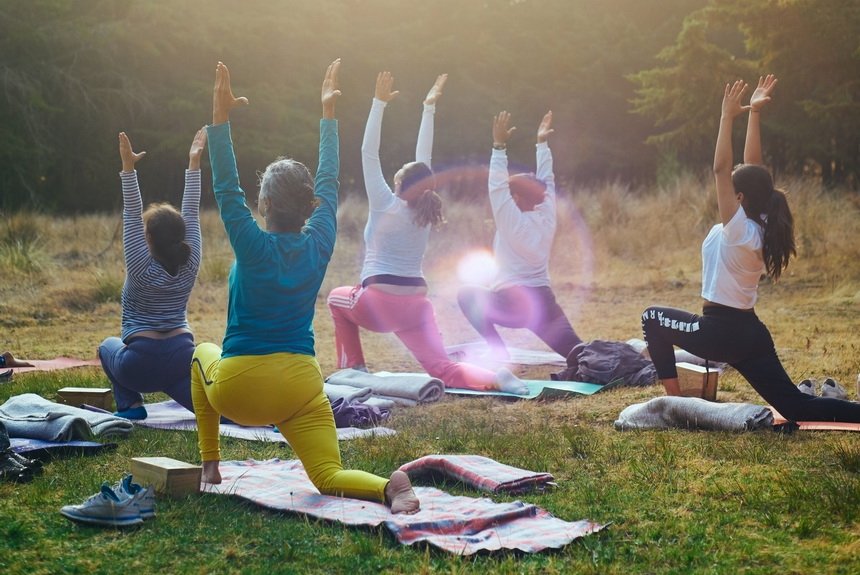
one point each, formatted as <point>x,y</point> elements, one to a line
<point>768,207</point>
<point>165,230</point>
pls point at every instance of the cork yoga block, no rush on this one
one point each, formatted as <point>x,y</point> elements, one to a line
<point>167,476</point>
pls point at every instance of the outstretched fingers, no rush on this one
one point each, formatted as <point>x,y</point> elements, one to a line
<point>384,83</point>
<point>436,91</point>
<point>501,131</point>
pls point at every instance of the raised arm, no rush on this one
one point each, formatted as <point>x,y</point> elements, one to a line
<point>424,147</point>
<point>727,199</point>
<point>245,235</point>
<point>543,155</point>
<point>191,196</point>
<point>135,249</point>
<point>500,191</point>
<point>378,192</point>
<point>323,222</point>
<point>760,97</point>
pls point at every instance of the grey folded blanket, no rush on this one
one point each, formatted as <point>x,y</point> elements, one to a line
<point>694,413</point>
<point>402,389</point>
<point>32,416</point>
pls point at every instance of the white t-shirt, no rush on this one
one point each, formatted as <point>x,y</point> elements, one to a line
<point>732,262</point>
<point>523,239</point>
<point>394,244</point>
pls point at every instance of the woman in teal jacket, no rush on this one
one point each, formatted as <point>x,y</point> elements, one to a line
<point>267,372</point>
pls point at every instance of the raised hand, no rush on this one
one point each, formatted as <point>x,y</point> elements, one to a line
<point>501,132</point>
<point>436,91</point>
<point>732,96</point>
<point>330,91</point>
<point>197,146</point>
<point>545,128</point>
<point>761,95</point>
<point>384,82</point>
<point>128,156</point>
<point>222,97</point>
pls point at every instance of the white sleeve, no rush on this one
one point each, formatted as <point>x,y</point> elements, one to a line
<point>379,194</point>
<point>424,147</point>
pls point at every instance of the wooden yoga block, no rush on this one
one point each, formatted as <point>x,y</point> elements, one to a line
<point>696,381</point>
<point>166,475</point>
<point>101,397</point>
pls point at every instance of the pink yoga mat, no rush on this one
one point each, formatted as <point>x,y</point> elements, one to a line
<point>817,425</point>
<point>53,364</point>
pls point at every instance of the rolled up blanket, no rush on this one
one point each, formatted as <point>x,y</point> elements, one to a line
<point>481,472</point>
<point>694,413</point>
<point>32,416</point>
<point>347,392</point>
<point>402,388</point>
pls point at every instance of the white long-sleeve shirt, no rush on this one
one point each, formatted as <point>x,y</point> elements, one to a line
<point>523,239</point>
<point>394,244</point>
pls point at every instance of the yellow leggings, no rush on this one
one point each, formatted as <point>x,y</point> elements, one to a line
<point>285,389</point>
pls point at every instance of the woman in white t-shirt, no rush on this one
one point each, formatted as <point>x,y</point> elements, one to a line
<point>392,295</point>
<point>756,237</point>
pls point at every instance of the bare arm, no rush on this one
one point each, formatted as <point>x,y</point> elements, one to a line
<point>760,97</point>
<point>727,200</point>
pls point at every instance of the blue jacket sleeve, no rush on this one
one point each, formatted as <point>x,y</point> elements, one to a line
<point>323,222</point>
<point>246,237</point>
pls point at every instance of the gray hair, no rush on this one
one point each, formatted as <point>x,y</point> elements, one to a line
<point>289,188</point>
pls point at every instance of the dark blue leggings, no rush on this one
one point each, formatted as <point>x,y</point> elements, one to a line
<point>533,308</point>
<point>146,365</point>
<point>739,338</point>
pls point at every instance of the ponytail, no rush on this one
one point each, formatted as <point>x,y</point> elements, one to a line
<point>427,209</point>
<point>165,229</point>
<point>779,243</point>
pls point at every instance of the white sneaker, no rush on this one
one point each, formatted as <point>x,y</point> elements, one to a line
<point>105,508</point>
<point>145,496</point>
<point>831,388</point>
<point>807,386</point>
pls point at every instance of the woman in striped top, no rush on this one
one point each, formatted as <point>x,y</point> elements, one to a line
<point>162,255</point>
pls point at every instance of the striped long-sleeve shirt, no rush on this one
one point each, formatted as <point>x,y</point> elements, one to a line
<point>152,299</point>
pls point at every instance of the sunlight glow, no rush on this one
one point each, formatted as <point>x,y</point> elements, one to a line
<point>477,268</point>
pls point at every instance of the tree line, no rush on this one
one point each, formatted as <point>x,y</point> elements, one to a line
<point>634,86</point>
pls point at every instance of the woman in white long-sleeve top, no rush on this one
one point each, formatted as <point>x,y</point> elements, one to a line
<point>524,209</point>
<point>392,294</point>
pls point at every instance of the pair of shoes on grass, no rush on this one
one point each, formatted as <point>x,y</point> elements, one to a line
<point>17,468</point>
<point>122,505</point>
<point>830,388</point>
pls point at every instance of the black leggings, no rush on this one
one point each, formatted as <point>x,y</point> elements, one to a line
<point>739,338</point>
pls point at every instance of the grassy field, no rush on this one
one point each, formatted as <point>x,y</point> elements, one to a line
<point>679,502</point>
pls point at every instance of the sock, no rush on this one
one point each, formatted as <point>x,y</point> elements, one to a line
<point>510,383</point>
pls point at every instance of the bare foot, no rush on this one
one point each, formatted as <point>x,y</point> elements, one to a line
<point>399,495</point>
<point>211,473</point>
<point>510,383</point>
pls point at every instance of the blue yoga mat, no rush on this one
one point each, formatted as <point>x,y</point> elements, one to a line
<point>538,389</point>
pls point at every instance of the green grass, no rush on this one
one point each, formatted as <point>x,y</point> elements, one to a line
<point>676,501</point>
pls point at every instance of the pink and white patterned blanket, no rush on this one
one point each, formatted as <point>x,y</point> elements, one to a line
<point>457,524</point>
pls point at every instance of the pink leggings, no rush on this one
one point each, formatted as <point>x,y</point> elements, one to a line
<point>412,319</point>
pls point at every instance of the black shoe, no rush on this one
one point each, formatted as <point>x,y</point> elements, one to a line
<point>11,470</point>
<point>33,464</point>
